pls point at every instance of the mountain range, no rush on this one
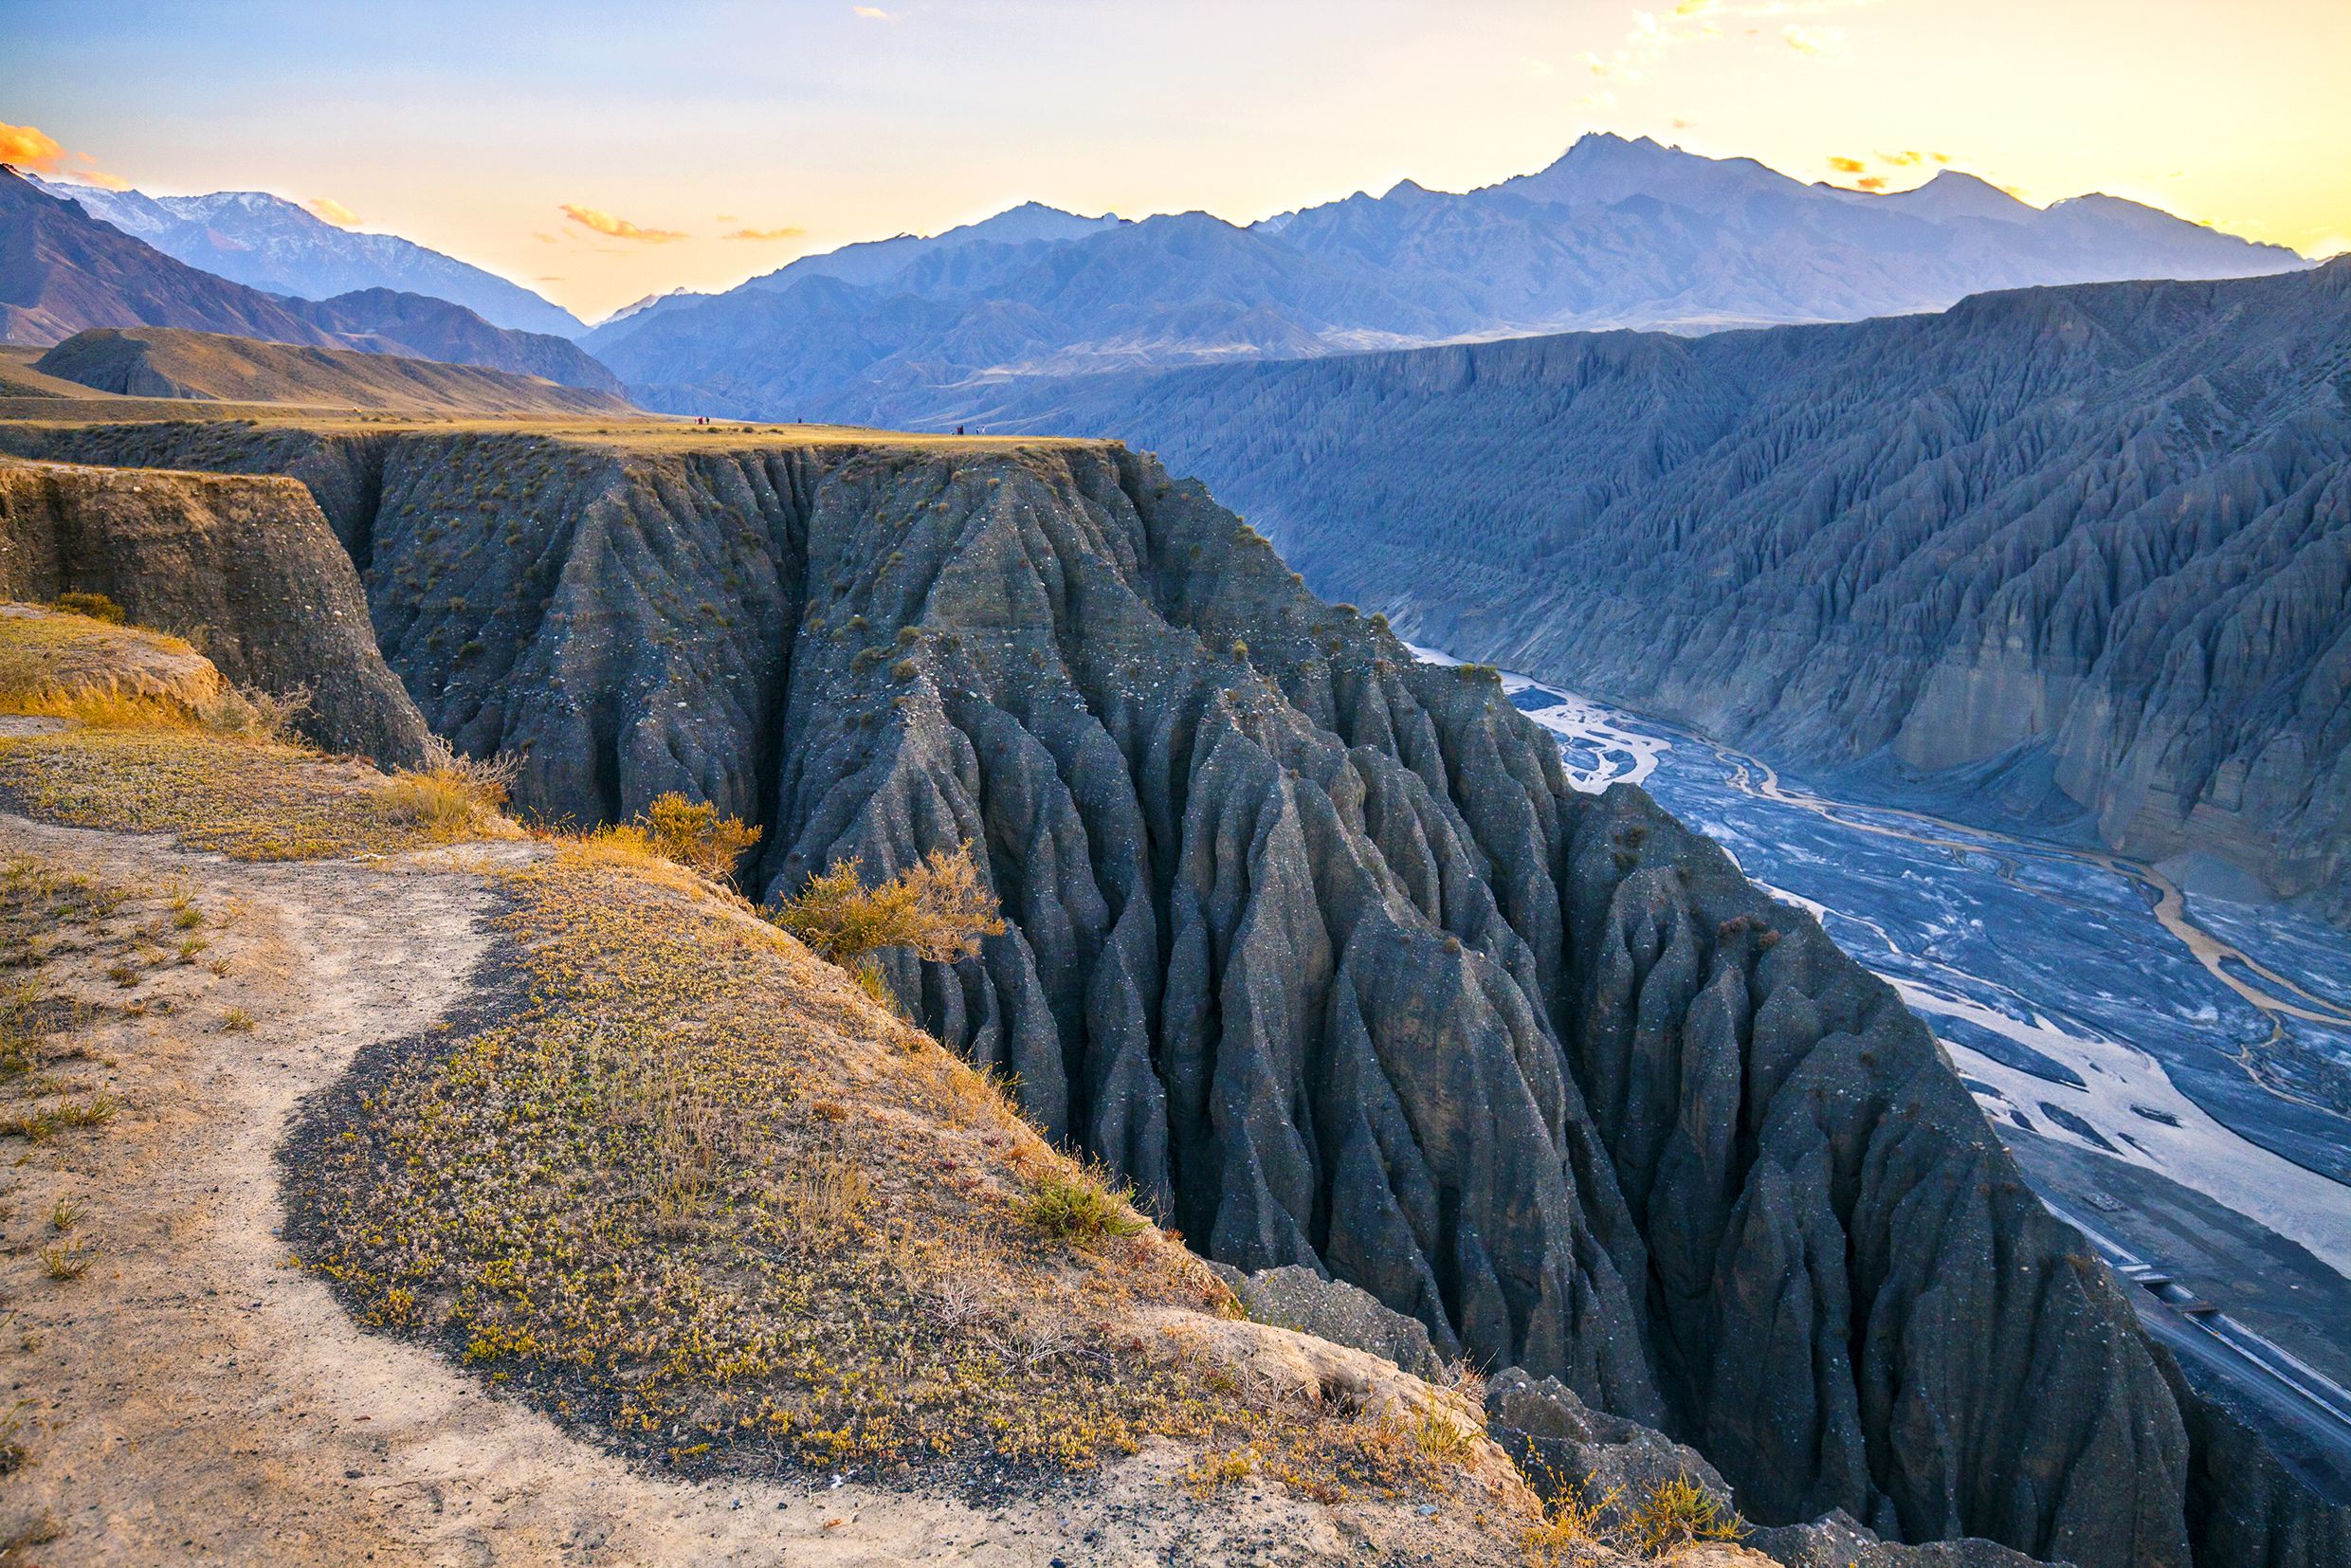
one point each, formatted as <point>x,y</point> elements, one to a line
<point>2087,547</point>
<point>268,243</point>
<point>1614,233</point>
<point>63,271</point>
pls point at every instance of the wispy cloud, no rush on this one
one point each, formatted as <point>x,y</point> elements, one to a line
<point>619,229</point>
<point>29,147</point>
<point>1829,42</point>
<point>333,211</point>
<point>1654,35</point>
<point>1909,157</point>
<point>785,233</point>
<point>872,13</point>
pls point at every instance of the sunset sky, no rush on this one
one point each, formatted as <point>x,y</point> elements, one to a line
<point>633,147</point>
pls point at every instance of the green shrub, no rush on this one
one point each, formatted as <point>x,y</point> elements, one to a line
<point>97,607</point>
<point>1078,1206</point>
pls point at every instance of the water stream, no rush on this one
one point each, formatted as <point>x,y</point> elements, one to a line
<point>2084,998</point>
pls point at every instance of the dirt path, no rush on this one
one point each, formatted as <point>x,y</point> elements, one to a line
<point>193,1397</point>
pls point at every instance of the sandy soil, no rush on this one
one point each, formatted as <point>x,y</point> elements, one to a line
<point>194,1397</point>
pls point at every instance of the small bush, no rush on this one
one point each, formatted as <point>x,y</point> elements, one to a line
<point>1443,1436</point>
<point>450,797</point>
<point>1679,1512</point>
<point>936,907</point>
<point>1077,1207</point>
<point>1570,1527</point>
<point>66,1259</point>
<point>256,715</point>
<point>684,832</point>
<point>97,607</point>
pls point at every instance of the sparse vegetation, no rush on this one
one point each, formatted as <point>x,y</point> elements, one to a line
<point>1078,1205</point>
<point>935,907</point>
<point>68,1260</point>
<point>449,798</point>
<point>645,1200</point>
<point>15,1438</point>
<point>1677,1513</point>
<point>97,607</point>
<point>684,832</point>
<point>1571,1526</point>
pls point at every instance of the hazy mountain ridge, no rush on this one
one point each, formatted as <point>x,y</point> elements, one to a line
<point>63,271</point>
<point>2102,533</point>
<point>1615,234</point>
<point>176,363</point>
<point>268,243</point>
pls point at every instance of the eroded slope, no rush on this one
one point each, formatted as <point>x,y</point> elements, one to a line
<point>2096,537</point>
<point>1312,943</point>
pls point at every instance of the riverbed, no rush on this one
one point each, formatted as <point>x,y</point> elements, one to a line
<point>2156,1060</point>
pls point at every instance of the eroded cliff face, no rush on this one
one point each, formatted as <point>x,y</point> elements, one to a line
<point>1313,942</point>
<point>246,565</point>
<point>2102,532</point>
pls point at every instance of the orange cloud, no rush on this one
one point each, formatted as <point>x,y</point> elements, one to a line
<point>1848,166</point>
<point>1902,160</point>
<point>619,229</point>
<point>334,211</point>
<point>1875,182</point>
<point>873,13</point>
<point>29,148</point>
<point>785,233</point>
<point>103,181</point>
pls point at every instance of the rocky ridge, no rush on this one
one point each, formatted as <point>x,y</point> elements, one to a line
<point>246,565</point>
<point>1312,943</point>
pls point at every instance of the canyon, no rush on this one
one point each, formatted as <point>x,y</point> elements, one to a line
<point>2075,559</point>
<point>1314,942</point>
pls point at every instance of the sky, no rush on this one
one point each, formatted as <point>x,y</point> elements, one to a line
<point>602,149</point>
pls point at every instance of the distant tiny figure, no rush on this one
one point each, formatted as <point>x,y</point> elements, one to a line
<point>959,429</point>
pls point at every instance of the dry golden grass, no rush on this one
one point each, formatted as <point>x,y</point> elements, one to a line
<point>1574,1529</point>
<point>56,663</point>
<point>936,907</point>
<point>246,799</point>
<point>449,799</point>
<point>1679,1513</point>
<point>645,1200</point>
<point>688,833</point>
<point>154,742</point>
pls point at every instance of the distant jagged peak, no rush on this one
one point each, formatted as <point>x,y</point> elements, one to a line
<point>638,307</point>
<point>869,262</point>
<point>1602,167</point>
